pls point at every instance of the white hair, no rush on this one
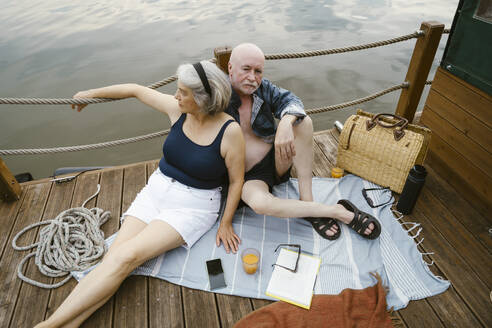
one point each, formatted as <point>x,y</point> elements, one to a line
<point>220,86</point>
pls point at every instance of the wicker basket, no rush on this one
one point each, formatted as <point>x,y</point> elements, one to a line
<point>385,151</point>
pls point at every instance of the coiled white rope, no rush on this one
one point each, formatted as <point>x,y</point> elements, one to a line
<point>73,241</point>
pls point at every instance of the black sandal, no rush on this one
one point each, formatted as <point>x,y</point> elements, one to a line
<point>321,225</point>
<point>361,220</point>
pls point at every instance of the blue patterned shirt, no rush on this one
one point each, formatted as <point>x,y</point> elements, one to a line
<point>269,102</point>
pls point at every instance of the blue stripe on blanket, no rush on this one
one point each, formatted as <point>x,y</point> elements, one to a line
<point>346,263</point>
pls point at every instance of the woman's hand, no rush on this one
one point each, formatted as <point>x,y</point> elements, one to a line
<point>228,237</point>
<point>81,94</point>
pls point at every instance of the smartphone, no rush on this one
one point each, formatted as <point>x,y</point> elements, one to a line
<point>215,274</point>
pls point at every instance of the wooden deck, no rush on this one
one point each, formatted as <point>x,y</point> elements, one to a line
<point>456,233</point>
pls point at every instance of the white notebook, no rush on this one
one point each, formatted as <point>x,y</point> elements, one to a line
<point>295,288</point>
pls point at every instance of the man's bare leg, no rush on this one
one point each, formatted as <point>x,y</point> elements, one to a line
<point>258,197</point>
<point>303,161</point>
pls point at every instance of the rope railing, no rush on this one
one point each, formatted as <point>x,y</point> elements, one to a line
<point>330,108</point>
<point>81,101</point>
<point>376,44</point>
<point>78,101</point>
<point>107,144</point>
<point>315,53</point>
<point>38,151</point>
<point>356,101</point>
<point>158,84</point>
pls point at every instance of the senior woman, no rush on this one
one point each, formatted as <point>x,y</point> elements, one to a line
<point>204,149</point>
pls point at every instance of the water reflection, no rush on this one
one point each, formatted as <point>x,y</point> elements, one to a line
<point>316,15</point>
<point>49,49</point>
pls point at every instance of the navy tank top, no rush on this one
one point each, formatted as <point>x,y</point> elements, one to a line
<point>191,164</point>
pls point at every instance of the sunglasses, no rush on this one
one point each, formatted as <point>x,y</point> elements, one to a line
<point>298,247</point>
<point>369,200</point>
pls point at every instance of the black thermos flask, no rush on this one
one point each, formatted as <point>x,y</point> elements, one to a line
<point>411,190</point>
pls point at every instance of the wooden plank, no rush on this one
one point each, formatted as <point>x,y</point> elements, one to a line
<point>131,298</point>
<point>335,134</point>
<point>451,310</point>
<point>131,307</point>
<point>468,97</point>
<point>232,309</point>
<point>397,320</point>
<point>165,299</point>
<point>222,55</point>
<point>321,165</point>
<point>469,149</point>
<point>420,314</point>
<point>418,69</point>
<point>151,167</point>
<point>258,303</point>
<point>200,308</point>
<point>134,180</point>
<point>30,212</point>
<point>8,214</point>
<point>448,306</point>
<point>10,189</point>
<point>108,199</point>
<point>165,304</point>
<point>28,183</point>
<point>32,301</point>
<point>468,124</point>
<point>468,286</point>
<point>85,186</point>
<point>324,161</point>
<point>461,174</point>
<point>412,314</point>
<point>470,249</point>
<point>329,146</point>
<point>477,224</point>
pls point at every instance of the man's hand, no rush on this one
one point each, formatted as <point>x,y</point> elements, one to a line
<point>226,235</point>
<point>284,139</point>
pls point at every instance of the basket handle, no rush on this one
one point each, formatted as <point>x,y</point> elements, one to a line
<point>398,133</point>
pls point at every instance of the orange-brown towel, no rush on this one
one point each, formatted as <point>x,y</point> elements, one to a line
<point>350,308</point>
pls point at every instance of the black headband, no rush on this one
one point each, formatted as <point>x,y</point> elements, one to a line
<point>201,73</point>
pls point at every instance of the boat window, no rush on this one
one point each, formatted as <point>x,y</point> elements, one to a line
<point>484,11</point>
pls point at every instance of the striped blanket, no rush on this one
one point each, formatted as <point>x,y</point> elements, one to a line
<point>346,262</point>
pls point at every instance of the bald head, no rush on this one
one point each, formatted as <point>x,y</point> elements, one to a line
<point>245,51</point>
<point>246,68</point>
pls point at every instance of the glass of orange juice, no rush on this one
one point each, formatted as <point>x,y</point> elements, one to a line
<point>250,258</point>
<point>336,172</point>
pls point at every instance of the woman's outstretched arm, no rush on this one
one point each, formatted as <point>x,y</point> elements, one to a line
<point>234,148</point>
<point>162,102</point>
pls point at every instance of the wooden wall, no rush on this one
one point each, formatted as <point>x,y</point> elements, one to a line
<point>460,117</point>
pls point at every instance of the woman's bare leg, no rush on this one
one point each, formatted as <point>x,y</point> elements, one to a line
<point>86,314</point>
<point>130,227</point>
<point>101,283</point>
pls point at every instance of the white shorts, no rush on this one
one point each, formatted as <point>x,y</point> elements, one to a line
<point>190,211</point>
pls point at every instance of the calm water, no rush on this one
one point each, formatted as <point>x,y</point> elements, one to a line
<point>53,49</point>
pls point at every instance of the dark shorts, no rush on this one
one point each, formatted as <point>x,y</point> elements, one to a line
<point>265,171</point>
